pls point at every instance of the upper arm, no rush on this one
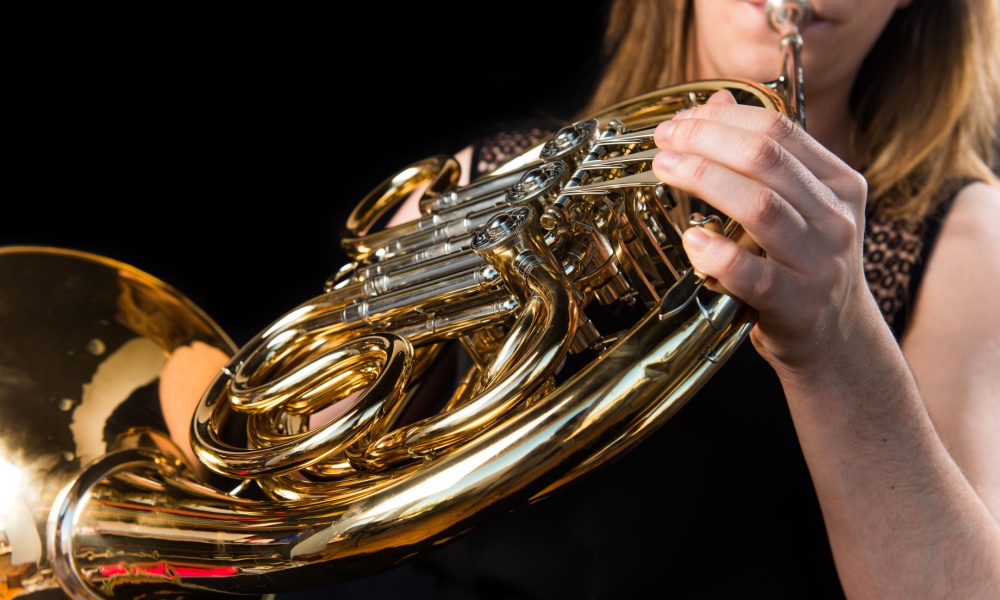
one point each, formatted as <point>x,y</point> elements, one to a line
<point>953,343</point>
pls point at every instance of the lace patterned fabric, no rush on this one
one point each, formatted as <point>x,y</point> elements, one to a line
<point>892,250</point>
<point>499,148</point>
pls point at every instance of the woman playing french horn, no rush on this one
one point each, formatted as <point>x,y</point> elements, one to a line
<point>853,448</point>
<point>848,450</point>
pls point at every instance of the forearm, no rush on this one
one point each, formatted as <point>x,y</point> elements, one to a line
<point>903,521</point>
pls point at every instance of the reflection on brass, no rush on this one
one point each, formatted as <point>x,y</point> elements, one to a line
<point>342,439</point>
<point>86,349</point>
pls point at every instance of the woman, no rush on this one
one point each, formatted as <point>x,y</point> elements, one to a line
<point>865,460</point>
<point>900,440</point>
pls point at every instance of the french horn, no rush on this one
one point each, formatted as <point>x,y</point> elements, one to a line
<point>561,281</point>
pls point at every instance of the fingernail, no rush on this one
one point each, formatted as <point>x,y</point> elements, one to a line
<point>667,159</point>
<point>696,238</point>
<point>664,131</point>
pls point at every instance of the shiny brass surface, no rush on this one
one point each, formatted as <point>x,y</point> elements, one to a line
<point>559,287</point>
<point>91,350</point>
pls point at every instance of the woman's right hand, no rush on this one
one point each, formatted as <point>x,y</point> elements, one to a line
<point>801,204</point>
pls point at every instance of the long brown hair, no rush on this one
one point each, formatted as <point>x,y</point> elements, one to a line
<point>925,101</point>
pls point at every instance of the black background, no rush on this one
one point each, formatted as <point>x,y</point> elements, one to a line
<point>221,150</point>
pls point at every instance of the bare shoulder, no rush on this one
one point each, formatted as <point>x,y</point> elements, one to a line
<point>963,269</point>
<point>977,203</point>
<point>971,231</point>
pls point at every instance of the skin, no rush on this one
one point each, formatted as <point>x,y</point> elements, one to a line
<point>188,372</point>
<point>901,439</point>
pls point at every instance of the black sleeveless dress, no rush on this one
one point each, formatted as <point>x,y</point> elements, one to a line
<point>717,503</point>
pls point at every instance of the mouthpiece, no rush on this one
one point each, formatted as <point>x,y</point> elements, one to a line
<point>787,16</point>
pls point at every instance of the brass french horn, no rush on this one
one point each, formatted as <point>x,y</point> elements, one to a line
<point>518,272</point>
